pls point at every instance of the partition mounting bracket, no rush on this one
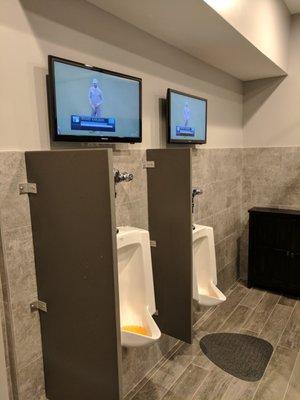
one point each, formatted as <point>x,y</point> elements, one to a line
<point>149,164</point>
<point>38,305</point>
<point>26,188</point>
<point>153,243</point>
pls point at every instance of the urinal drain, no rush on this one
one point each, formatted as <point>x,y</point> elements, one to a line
<point>243,356</point>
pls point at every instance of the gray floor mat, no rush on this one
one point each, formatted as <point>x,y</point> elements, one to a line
<point>243,356</point>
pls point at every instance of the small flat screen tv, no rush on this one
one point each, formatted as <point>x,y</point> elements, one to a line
<point>87,103</point>
<point>187,118</point>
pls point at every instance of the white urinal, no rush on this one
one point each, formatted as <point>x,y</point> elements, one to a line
<point>205,291</point>
<point>136,289</point>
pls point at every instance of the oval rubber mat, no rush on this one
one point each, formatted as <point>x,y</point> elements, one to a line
<point>243,356</point>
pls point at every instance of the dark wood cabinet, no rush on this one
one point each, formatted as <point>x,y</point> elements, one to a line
<point>274,250</point>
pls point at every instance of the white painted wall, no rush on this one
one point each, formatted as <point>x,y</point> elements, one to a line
<point>32,29</point>
<point>265,23</point>
<point>272,106</point>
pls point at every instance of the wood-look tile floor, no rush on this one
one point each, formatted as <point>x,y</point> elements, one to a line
<point>187,374</point>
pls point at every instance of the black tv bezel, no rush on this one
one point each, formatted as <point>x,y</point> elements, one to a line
<point>183,141</point>
<point>82,138</point>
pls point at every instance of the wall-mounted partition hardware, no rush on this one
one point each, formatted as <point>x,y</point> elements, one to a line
<point>153,243</point>
<point>148,164</point>
<point>27,188</point>
<point>74,235</point>
<point>38,305</point>
<point>170,223</point>
<point>274,250</point>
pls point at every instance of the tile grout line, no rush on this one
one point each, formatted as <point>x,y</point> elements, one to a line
<point>202,383</point>
<point>288,320</point>
<point>154,370</point>
<point>264,293</point>
<point>239,304</point>
<point>290,378</point>
<point>253,310</point>
<point>176,380</point>
<point>252,398</point>
<point>283,329</point>
<point>223,323</point>
<point>259,333</point>
<point>208,372</point>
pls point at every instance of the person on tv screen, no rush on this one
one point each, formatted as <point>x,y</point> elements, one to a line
<point>186,114</point>
<point>95,99</point>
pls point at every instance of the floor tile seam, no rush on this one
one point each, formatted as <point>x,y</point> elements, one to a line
<point>202,383</point>
<point>287,322</point>
<point>253,308</point>
<point>203,318</point>
<point>177,379</point>
<point>253,311</point>
<point>215,368</point>
<point>283,329</point>
<point>207,373</point>
<point>220,327</point>
<point>201,366</point>
<point>160,363</point>
<point>290,378</point>
<point>267,366</point>
<point>273,309</point>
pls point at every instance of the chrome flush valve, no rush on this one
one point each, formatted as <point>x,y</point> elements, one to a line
<point>122,176</point>
<point>195,192</point>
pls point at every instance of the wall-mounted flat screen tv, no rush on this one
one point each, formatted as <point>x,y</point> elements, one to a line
<point>87,103</point>
<point>187,118</point>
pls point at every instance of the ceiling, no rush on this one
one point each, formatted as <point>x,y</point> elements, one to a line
<point>195,28</point>
<point>293,6</point>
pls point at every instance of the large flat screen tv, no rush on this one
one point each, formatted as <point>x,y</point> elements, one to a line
<point>87,103</point>
<point>187,118</point>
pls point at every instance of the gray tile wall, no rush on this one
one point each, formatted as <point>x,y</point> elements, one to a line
<point>227,194</point>
<point>17,272</point>
<point>271,178</point>
<point>219,173</point>
<point>131,198</point>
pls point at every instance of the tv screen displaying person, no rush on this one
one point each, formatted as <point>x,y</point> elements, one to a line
<point>95,99</point>
<point>187,117</point>
<point>94,103</point>
<point>186,114</point>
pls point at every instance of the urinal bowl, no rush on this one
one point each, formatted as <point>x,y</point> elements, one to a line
<point>136,289</point>
<point>205,291</point>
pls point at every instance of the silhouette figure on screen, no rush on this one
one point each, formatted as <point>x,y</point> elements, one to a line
<point>186,113</point>
<point>95,99</point>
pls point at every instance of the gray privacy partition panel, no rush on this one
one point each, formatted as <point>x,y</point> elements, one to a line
<point>74,237</point>
<point>170,226</point>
